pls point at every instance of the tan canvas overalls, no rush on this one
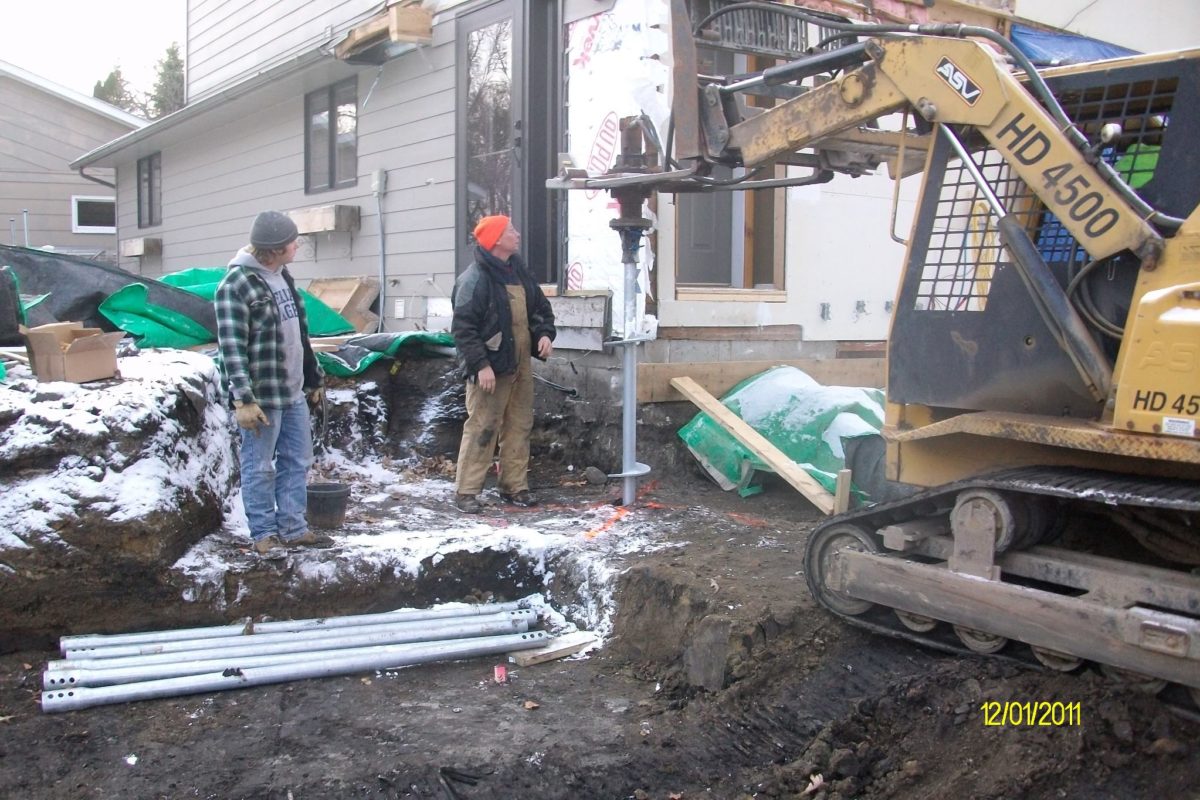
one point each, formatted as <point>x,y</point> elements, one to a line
<point>504,416</point>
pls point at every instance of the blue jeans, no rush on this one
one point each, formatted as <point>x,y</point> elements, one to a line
<point>275,461</point>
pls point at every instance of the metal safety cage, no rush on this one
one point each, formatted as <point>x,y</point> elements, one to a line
<point>760,31</point>
<point>961,304</point>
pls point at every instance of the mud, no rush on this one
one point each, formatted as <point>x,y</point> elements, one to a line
<point>721,679</point>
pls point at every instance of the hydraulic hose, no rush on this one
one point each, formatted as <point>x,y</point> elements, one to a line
<point>1036,83</point>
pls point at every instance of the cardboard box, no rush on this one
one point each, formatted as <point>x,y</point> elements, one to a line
<point>351,297</point>
<point>67,351</point>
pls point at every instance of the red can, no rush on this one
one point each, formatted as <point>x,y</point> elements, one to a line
<point>500,673</point>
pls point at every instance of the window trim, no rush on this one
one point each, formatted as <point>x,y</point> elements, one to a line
<point>77,228</point>
<point>153,204</point>
<point>330,96</point>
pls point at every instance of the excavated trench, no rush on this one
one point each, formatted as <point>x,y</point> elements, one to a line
<point>718,676</point>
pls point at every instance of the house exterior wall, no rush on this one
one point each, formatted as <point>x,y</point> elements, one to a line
<point>841,265</point>
<point>838,248</point>
<point>230,39</point>
<point>216,180</point>
<point>1148,25</point>
<point>40,134</point>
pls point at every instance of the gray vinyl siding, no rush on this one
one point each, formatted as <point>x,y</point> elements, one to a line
<point>218,179</point>
<point>40,134</point>
<point>229,39</point>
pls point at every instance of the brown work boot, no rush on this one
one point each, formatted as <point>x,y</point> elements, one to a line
<point>266,544</point>
<point>310,539</point>
<point>524,498</point>
<point>468,504</point>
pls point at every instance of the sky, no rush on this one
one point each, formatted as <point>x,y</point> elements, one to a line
<point>75,43</point>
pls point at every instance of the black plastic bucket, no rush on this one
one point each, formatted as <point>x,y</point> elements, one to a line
<point>327,504</point>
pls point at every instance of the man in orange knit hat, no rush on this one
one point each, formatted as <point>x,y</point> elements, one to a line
<point>501,319</point>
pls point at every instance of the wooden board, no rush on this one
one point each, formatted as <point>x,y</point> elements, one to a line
<point>718,377</point>
<point>841,497</point>
<point>559,647</point>
<point>787,469</point>
<point>402,22</point>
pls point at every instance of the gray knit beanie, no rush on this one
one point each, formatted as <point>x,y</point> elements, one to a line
<point>272,230</point>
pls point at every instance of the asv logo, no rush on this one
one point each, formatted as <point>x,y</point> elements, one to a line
<point>958,81</point>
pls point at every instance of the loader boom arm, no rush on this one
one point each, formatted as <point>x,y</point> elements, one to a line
<point>950,82</point>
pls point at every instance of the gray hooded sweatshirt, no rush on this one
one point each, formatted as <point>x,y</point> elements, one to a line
<point>289,318</point>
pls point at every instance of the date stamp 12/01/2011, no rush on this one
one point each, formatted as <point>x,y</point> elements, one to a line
<point>1040,713</point>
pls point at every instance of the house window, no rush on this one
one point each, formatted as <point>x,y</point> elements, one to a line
<point>150,190</point>
<point>331,151</point>
<point>93,214</point>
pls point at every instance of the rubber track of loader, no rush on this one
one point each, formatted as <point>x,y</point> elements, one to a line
<point>1093,486</point>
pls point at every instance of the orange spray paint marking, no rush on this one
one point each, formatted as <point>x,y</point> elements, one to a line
<point>747,519</point>
<point>618,515</point>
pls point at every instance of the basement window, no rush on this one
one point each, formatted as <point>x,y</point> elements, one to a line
<point>93,214</point>
<point>331,150</point>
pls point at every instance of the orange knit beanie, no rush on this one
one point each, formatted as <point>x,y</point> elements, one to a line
<point>488,231</point>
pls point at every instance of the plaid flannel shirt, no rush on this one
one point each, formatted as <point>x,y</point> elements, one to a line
<point>251,342</point>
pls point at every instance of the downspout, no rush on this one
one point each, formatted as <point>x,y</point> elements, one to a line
<point>94,179</point>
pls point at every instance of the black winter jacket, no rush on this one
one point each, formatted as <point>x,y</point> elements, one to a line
<point>482,310</point>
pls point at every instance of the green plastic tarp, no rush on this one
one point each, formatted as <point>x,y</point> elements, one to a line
<point>155,326</point>
<point>810,423</point>
<point>361,352</point>
<point>203,281</point>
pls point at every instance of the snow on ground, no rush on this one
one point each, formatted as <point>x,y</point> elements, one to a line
<point>82,428</point>
<point>398,522</point>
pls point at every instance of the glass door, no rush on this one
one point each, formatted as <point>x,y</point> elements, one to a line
<point>509,124</point>
<point>489,142</point>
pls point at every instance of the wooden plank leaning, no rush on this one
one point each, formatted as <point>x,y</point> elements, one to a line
<point>789,470</point>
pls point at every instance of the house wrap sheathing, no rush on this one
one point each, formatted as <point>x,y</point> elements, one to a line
<point>618,66</point>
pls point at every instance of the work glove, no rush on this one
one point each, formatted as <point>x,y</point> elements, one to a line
<point>316,396</point>
<point>250,416</point>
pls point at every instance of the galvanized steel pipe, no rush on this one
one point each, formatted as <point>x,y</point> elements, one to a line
<point>104,676</point>
<point>86,641</point>
<point>305,641</point>
<point>69,699</point>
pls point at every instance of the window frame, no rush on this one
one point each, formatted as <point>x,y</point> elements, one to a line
<point>329,95</point>
<point>78,228</point>
<point>149,182</point>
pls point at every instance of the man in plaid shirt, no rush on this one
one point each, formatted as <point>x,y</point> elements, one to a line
<point>263,335</point>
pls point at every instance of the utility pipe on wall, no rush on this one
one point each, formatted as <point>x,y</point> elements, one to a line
<point>379,187</point>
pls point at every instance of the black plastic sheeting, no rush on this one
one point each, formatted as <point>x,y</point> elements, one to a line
<point>1046,49</point>
<point>76,288</point>
<point>10,310</point>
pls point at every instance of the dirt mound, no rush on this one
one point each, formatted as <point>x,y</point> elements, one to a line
<point>721,678</point>
<point>102,484</point>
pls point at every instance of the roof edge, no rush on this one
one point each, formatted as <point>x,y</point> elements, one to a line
<point>175,118</point>
<point>71,96</point>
